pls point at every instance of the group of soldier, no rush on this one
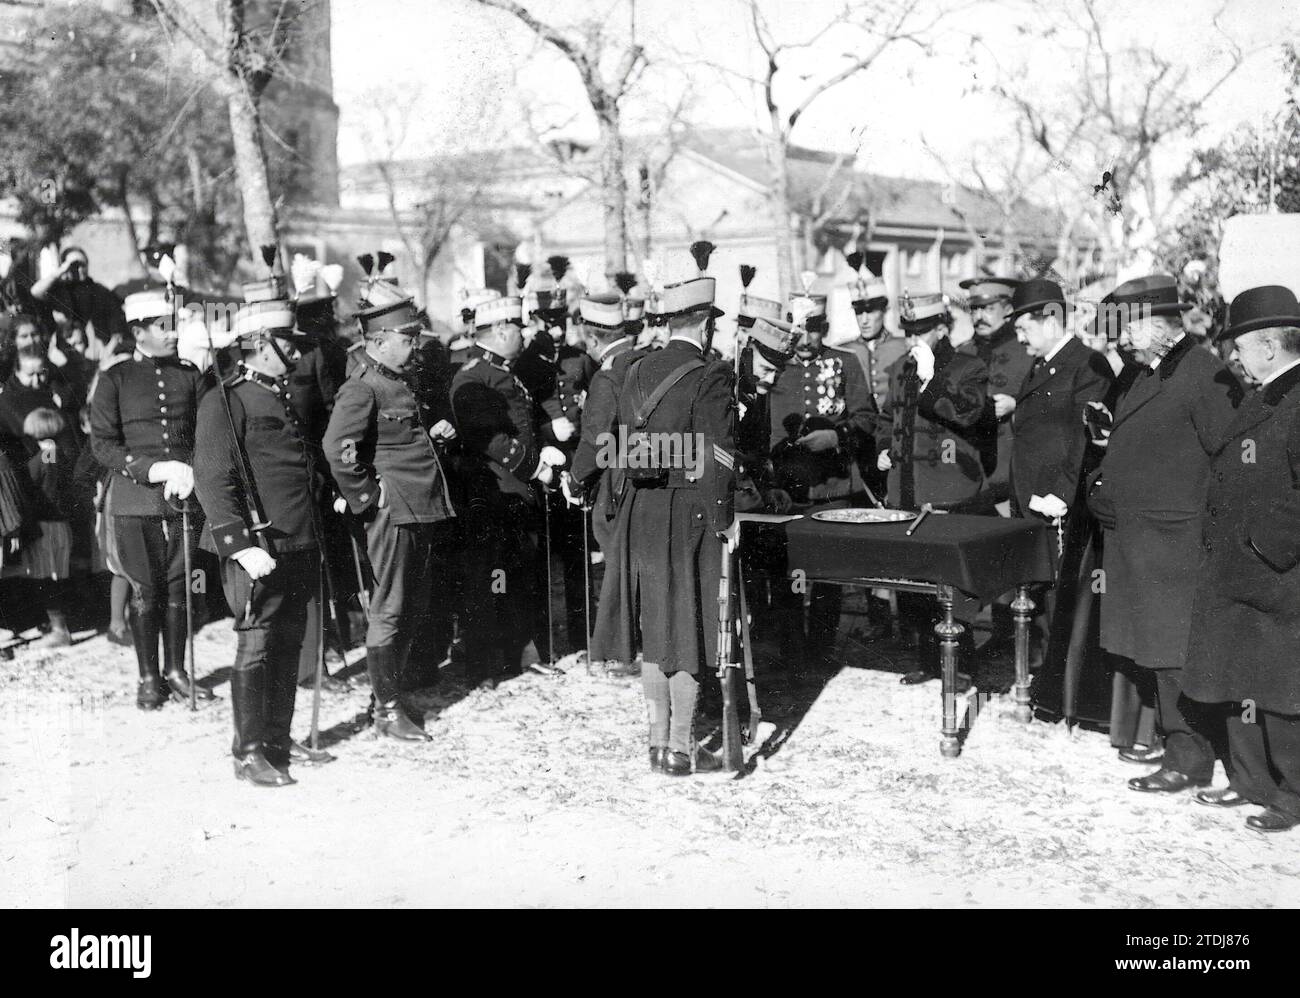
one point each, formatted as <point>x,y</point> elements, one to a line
<point>444,470</point>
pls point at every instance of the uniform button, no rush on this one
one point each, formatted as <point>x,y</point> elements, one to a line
<point>162,408</point>
<point>365,496</point>
<point>164,422</point>
<point>1213,511</point>
<point>162,384</point>
<point>162,398</point>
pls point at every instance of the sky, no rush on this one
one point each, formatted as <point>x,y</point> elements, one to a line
<point>466,71</point>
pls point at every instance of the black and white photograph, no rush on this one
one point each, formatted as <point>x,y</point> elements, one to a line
<point>639,454</point>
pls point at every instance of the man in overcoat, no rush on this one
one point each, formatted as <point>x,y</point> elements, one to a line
<point>1246,616</point>
<point>1149,496</point>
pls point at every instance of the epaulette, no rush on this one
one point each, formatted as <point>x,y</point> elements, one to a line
<point>189,365</point>
<point>470,363</point>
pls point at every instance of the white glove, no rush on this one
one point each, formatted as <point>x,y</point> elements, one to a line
<point>340,505</point>
<point>442,430</point>
<point>383,496</point>
<point>178,478</point>
<point>1049,506</point>
<point>1003,406</point>
<point>883,461</point>
<point>563,429</point>
<point>924,357</point>
<point>553,456</point>
<point>57,357</point>
<point>544,473</point>
<point>256,562</point>
<point>566,483</point>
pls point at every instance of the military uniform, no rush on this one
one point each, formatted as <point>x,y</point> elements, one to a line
<point>930,434</point>
<point>600,416</point>
<point>663,568</point>
<point>1008,365</point>
<point>143,412</point>
<point>499,456</point>
<point>271,613</point>
<point>378,433</point>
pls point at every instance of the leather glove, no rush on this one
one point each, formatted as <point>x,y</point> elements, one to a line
<point>553,456</point>
<point>563,429</point>
<point>256,562</point>
<point>819,440</point>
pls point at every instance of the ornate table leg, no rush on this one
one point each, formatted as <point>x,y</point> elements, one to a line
<point>948,631</point>
<point>1021,607</point>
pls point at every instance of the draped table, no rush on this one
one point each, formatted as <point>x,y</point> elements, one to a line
<point>963,561</point>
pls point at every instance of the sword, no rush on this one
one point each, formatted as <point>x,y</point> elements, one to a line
<point>550,610</point>
<point>586,576</point>
<point>189,606</point>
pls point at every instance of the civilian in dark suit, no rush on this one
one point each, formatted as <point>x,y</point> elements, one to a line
<point>1246,617</point>
<point>1149,495</point>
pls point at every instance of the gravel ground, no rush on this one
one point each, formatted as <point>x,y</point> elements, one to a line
<point>538,794</point>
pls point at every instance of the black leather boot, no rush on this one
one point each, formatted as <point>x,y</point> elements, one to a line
<point>281,693</point>
<point>174,656</point>
<point>144,634</point>
<point>391,720</point>
<point>249,707</point>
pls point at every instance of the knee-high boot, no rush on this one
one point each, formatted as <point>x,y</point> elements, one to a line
<point>174,655</point>
<point>248,702</point>
<point>144,634</point>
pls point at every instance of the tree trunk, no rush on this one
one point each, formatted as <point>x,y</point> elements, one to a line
<point>778,202</point>
<point>260,222</point>
<point>613,189</point>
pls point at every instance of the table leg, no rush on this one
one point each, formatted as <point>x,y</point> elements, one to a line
<point>1021,607</point>
<point>949,632</point>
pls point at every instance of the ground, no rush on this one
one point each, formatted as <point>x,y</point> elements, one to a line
<point>538,794</point>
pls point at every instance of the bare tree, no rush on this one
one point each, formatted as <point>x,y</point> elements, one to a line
<point>872,27</point>
<point>1104,132</point>
<point>608,69</point>
<point>453,188</point>
<point>246,49</point>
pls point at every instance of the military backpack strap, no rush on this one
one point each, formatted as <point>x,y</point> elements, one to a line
<point>646,409</point>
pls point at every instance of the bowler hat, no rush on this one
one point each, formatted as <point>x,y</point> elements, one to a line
<point>1267,307</point>
<point>1038,295</point>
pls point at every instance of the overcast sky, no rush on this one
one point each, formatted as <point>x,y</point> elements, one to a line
<point>467,62</point>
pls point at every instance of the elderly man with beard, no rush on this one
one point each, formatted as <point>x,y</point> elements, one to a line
<point>1246,615</point>
<point>1149,494</point>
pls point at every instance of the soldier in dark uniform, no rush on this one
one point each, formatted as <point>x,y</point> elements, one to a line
<point>142,430</point>
<point>500,458</point>
<point>381,445</point>
<point>269,576</point>
<point>675,512</point>
<point>610,347</point>
<point>928,442</point>
<point>820,409</point>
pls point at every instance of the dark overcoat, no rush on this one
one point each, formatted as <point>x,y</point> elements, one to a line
<point>660,591</point>
<point>946,464</point>
<point>1152,481</point>
<point>1049,434</point>
<point>1245,640</point>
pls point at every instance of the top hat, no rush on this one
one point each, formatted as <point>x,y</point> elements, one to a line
<point>1268,307</point>
<point>1039,295</point>
<point>987,290</point>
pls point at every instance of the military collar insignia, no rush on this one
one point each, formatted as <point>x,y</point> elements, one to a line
<point>274,385</point>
